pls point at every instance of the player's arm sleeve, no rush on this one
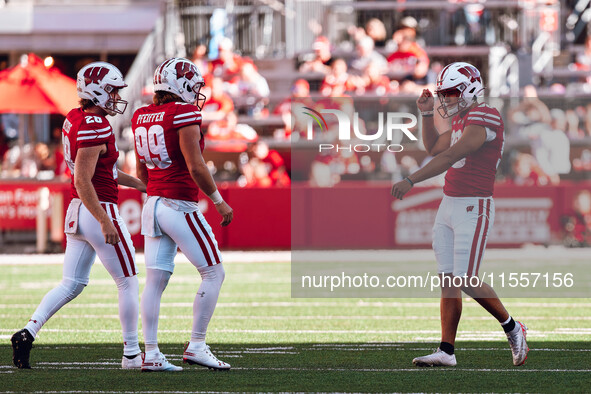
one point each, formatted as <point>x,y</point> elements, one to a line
<point>186,115</point>
<point>93,134</point>
<point>487,119</point>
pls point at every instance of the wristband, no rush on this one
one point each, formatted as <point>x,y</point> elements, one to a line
<point>427,113</point>
<point>409,181</point>
<point>216,198</point>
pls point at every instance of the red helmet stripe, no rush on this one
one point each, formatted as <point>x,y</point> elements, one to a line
<point>158,78</point>
<point>444,71</point>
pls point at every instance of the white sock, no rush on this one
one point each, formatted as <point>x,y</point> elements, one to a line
<point>57,297</point>
<point>206,300</point>
<point>152,351</point>
<point>196,346</point>
<point>131,345</point>
<point>156,282</point>
<point>128,293</point>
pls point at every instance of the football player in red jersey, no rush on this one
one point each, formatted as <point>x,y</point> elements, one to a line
<point>93,225</point>
<point>169,145</point>
<point>470,153</point>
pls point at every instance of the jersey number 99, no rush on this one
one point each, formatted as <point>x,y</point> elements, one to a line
<point>151,147</point>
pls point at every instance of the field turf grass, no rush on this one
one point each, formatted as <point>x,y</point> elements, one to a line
<point>276,343</point>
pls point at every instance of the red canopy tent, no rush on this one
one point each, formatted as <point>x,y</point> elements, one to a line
<point>31,88</point>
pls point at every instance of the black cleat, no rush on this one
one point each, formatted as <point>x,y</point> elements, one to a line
<point>22,342</point>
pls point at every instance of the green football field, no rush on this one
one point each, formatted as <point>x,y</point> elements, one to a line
<point>276,343</point>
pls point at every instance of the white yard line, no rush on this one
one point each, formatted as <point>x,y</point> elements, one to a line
<point>74,365</point>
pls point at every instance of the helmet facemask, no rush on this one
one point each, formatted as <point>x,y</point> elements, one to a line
<point>200,102</point>
<point>112,105</point>
<point>448,109</point>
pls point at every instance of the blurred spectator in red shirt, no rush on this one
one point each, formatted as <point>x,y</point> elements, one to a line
<point>527,172</point>
<point>321,60</point>
<point>255,174</point>
<point>235,136</point>
<point>338,79</point>
<point>228,64</point>
<point>218,104</point>
<point>300,93</point>
<point>300,96</point>
<point>275,163</point>
<point>409,61</point>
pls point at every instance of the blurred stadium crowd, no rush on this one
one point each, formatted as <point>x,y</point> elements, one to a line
<point>383,54</point>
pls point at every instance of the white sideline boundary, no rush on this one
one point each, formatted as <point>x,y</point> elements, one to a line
<point>476,334</point>
<point>76,366</point>
<point>307,317</point>
<point>303,304</point>
<point>538,253</point>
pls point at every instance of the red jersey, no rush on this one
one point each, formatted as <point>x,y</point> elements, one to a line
<point>156,135</point>
<point>220,69</point>
<point>474,175</point>
<point>412,55</point>
<point>83,130</point>
<point>223,102</point>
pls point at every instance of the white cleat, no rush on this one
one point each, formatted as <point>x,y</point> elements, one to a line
<point>518,344</point>
<point>205,358</point>
<point>158,363</point>
<point>439,358</point>
<point>131,363</point>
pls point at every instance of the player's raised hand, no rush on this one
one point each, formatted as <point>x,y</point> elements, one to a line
<point>425,102</point>
<point>226,212</point>
<point>110,233</point>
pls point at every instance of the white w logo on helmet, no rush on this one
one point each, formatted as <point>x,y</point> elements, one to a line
<point>98,83</point>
